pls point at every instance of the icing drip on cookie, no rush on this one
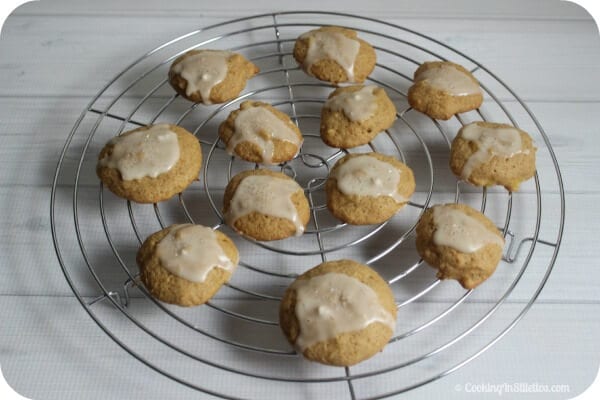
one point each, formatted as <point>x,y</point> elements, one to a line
<point>502,142</point>
<point>449,79</point>
<point>334,303</point>
<point>331,45</point>
<point>266,195</point>
<point>367,176</point>
<point>356,106</point>
<point>191,252</point>
<point>203,71</point>
<point>460,231</point>
<point>143,153</point>
<point>261,127</point>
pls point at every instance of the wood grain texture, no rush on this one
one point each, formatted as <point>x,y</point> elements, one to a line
<point>509,9</point>
<point>36,361</point>
<point>39,47</point>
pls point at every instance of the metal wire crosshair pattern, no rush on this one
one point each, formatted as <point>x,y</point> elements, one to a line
<point>232,347</point>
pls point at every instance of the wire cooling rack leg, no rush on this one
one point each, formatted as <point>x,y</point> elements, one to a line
<point>96,299</point>
<point>512,255</point>
<point>129,283</point>
<point>510,236</point>
<point>115,295</point>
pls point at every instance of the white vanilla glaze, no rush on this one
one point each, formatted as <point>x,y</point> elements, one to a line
<point>449,79</point>
<point>331,45</point>
<point>260,126</point>
<point>334,303</point>
<point>144,153</point>
<point>203,71</point>
<point>367,176</point>
<point>503,142</point>
<point>356,106</point>
<point>454,228</point>
<point>191,252</point>
<point>266,195</point>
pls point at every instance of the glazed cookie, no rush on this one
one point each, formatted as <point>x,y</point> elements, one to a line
<point>488,154</point>
<point>354,115</point>
<point>368,188</point>
<point>335,55</point>
<point>338,313</point>
<point>186,264</point>
<point>443,88</point>
<point>210,76</point>
<point>460,242</point>
<point>265,205</point>
<point>260,133</point>
<point>150,164</point>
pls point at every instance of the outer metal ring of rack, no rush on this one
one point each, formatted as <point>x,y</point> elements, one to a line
<point>139,95</point>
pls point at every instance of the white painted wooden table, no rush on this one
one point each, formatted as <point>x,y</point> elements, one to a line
<point>56,55</point>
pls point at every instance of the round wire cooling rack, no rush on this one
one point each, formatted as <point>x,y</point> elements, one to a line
<point>232,347</point>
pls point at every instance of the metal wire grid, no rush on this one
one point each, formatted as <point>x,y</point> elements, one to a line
<point>118,297</point>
